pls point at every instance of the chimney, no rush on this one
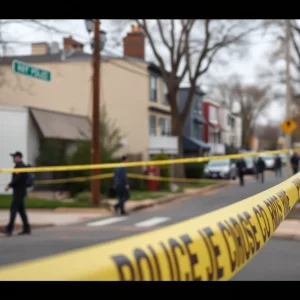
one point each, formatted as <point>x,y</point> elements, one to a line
<point>39,48</point>
<point>72,45</point>
<point>134,43</point>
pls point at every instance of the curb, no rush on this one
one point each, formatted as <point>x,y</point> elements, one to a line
<point>287,237</point>
<point>35,226</point>
<point>79,210</point>
<point>179,196</point>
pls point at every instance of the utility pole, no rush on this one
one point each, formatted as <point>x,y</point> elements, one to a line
<point>96,114</point>
<point>288,100</point>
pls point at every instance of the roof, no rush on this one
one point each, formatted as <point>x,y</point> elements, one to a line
<point>63,126</point>
<point>47,58</point>
<point>65,56</point>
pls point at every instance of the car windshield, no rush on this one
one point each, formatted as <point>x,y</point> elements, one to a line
<point>218,163</point>
<point>249,159</point>
<point>267,157</point>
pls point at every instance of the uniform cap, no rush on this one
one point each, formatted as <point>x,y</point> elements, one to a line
<point>17,153</point>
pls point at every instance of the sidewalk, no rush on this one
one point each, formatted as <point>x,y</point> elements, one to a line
<point>65,216</point>
<point>288,229</point>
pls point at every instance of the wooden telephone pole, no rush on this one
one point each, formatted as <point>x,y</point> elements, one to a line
<point>288,100</point>
<point>96,114</point>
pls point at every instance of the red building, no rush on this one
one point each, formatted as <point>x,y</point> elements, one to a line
<point>212,129</point>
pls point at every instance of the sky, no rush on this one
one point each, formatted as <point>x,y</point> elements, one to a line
<point>247,67</point>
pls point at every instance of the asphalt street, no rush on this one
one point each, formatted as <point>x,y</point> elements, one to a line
<point>279,260</point>
<point>48,241</point>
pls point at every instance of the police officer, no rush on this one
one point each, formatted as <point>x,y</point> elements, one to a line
<point>241,167</point>
<point>261,167</point>
<point>122,187</point>
<point>18,184</point>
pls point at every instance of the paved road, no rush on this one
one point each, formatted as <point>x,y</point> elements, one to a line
<point>278,260</point>
<point>58,239</point>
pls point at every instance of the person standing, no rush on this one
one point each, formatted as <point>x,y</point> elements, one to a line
<point>295,163</point>
<point>241,167</point>
<point>122,187</point>
<point>18,184</point>
<point>278,166</point>
<point>261,166</point>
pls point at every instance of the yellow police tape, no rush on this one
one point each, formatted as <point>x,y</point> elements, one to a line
<point>214,246</point>
<point>138,164</point>
<point>129,175</point>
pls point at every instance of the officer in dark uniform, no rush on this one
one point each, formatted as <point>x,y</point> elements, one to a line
<point>241,167</point>
<point>122,187</point>
<point>18,184</point>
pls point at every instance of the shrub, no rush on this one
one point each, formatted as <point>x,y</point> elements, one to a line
<point>165,170</point>
<point>110,144</point>
<point>83,197</point>
<point>52,152</point>
<point>194,170</point>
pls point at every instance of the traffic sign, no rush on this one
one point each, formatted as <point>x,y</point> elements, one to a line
<point>30,71</point>
<point>288,126</point>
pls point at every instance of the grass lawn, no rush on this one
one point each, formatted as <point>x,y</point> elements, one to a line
<point>5,200</point>
<point>39,203</point>
<point>198,185</point>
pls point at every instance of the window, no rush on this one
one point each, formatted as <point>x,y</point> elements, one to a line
<point>197,131</point>
<point>213,114</point>
<point>165,94</point>
<point>196,105</point>
<point>229,120</point>
<point>165,127</point>
<point>152,125</point>
<point>153,88</point>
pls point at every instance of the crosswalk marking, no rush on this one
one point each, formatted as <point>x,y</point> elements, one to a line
<point>152,222</point>
<point>107,221</point>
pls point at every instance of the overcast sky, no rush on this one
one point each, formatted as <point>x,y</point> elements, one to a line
<point>247,66</point>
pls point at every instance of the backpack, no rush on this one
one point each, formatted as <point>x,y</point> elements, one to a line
<point>30,179</point>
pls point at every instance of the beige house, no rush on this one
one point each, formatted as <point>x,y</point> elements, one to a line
<point>132,90</point>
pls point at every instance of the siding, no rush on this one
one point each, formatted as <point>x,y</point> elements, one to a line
<point>124,90</point>
<point>33,141</point>
<point>13,137</point>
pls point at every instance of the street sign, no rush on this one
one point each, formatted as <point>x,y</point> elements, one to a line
<point>288,126</point>
<point>30,71</point>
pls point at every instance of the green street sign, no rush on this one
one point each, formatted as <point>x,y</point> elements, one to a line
<point>30,71</point>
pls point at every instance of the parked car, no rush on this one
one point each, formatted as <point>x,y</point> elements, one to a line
<point>222,168</point>
<point>283,158</point>
<point>250,165</point>
<point>269,161</point>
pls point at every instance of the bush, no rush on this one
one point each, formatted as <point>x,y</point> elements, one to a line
<point>194,170</point>
<point>83,197</point>
<point>165,170</point>
<point>110,144</point>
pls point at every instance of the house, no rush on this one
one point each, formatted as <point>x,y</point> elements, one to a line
<point>231,123</point>
<point>213,129</point>
<point>131,89</point>
<point>193,144</point>
<point>24,128</point>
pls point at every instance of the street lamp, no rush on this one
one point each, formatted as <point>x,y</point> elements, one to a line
<point>97,45</point>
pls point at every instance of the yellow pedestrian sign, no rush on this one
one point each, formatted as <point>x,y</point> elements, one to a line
<point>288,126</point>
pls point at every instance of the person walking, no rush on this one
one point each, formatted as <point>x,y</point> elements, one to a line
<point>18,184</point>
<point>278,166</point>
<point>295,162</point>
<point>241,167</point>
<point>122,187</point>
<point>261,166</point>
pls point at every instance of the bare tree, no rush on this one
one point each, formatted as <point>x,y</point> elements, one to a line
<point>251,100</point>
<point>185,50</point>
<point>276,73</point>
<point>269,135</point>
